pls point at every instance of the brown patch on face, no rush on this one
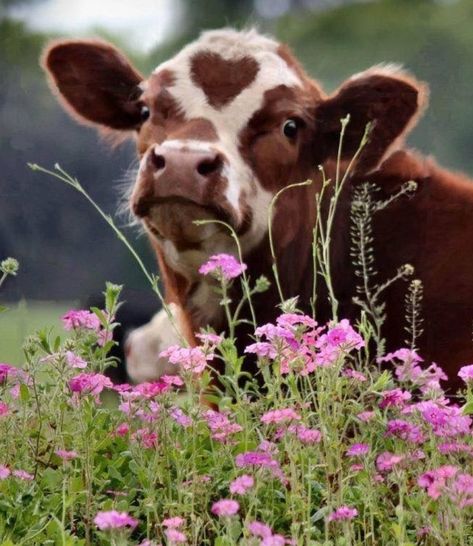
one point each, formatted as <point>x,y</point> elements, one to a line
<point>195,129</point>
<point>222,79</point>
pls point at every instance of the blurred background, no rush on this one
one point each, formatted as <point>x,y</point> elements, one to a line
<point>65,249</point>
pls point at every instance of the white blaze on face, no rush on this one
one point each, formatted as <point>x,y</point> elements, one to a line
<point>230,119</point>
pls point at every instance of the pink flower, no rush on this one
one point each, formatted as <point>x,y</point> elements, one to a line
<point>220,425</point>
<point>241,484</point>
<point>305,434</point>
<point>273,540</point>
<point>366,416</point>
<point>172,380</point>
<point>3,409</point>
<point>6,370</point>
<point>280,416</point>
<point>122,430</point>
<point>192,359</point>
<point>147,438</point>
<point>173,523</point>
<point>434,481</point>
<point>396,398</point>
<point>466,373</point>
<point>75,361</point>
<point>114,520</point>
<point>89,383</point>
<point>259,529</point>
<point>23,475</point>
<point>262,349</point>
<point>66,455</point>
<point>446,421</point>
<point>353,374</point>
<point>343,513</point>
<point>79,318</point>
<point>4,472</point>
<point>357,450</point>
<point>405,430</point>
<point>261,460</point>
<point>180,417</point>
<point>454,447</point>
<point>386,461</point>
<point>174,536</point>
<point>225,508</point>
<point>341,335</point>
<point>222,266</point>
<point>209,338</point>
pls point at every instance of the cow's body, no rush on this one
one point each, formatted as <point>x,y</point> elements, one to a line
<point>233,119</point>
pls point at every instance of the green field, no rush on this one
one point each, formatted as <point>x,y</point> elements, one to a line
<point>25,318</point>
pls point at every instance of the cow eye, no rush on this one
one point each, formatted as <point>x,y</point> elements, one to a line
<point>290,128</point>
<point>144,113</point>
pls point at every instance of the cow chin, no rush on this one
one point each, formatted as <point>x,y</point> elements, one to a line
<point>175,220</point>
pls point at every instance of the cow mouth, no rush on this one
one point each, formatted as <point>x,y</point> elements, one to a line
<point>177,219</point>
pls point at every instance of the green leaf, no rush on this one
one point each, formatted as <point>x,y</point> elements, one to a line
<point>24,393</point>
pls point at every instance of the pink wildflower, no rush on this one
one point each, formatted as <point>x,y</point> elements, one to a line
<point>455,447</point>
<point>261,460</point>
<point>446,421</point>
<point>305,434</point>
<point>4,409</point>
<point>192,359</point>
<point>396,398</point>
<point>66,455</point>
<point>114,520</point>
<point>225,508</point>
<point>387,461</point>
<point>262,349</point>
<point>273,540</point>
<point>6,370</point>
<point>357,450</point>
<point>23,475</point>
<point>366,416</point>
<point>174,536</point>
<point>209,338</point>
<point>173,523</point>
<point>354,374</point>
<point>220,425</point>
<point>172,380</point>
<point>434,481</point>
<point>89,383</point>
<point>343,513</point>
<point>75,361</point>
<point>466,373</point>
<point>405,431</point>
<point>4,472</point>
<point>79,318</point>
<point>241,484</point>
<point>146,438</point>
<point>222,266</point>
<point>343,336</point>
<point>259,529</point>
<point>280,416</point>
<point>180,417</point>
<point>122,430</point>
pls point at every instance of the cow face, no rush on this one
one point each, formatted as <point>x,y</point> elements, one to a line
<point>222,126</point>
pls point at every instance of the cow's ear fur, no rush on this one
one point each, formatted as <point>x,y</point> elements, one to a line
<point>386,98</point>
<point>94,82</point>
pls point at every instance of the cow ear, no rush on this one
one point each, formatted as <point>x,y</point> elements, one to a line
<point>94,82</point>
<point>384,97</point>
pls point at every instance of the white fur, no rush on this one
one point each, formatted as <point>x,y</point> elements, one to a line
<point>145,344</point>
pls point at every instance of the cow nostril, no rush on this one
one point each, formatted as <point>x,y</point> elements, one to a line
<point>209,166</point>
<point>158,161</point>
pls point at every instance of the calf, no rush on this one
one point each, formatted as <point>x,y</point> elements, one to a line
<point>228,122</point>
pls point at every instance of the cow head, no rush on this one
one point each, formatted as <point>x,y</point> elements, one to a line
<point>222,126</point>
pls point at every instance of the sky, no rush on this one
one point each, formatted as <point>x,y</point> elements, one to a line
<point>143,23</point>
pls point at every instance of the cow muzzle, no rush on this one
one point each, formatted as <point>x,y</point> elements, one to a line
<point>177,186</point>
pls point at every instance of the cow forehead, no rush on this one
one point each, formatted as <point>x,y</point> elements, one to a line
<point>223,77</point>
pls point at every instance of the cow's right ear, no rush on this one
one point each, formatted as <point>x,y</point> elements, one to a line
<point>94,82</point>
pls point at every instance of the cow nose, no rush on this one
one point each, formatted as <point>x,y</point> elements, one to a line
<point>196,163</point>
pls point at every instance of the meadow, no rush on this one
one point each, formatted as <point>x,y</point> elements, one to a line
<point>332,442</point>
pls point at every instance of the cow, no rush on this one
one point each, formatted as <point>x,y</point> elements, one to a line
<point>227,123</point>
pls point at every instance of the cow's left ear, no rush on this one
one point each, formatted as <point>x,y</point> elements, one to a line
<point>386,97</point>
